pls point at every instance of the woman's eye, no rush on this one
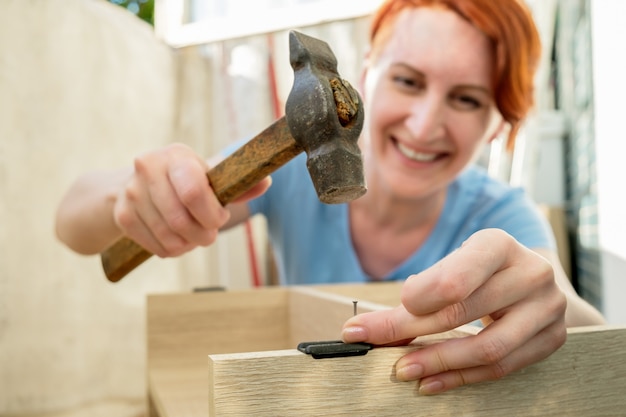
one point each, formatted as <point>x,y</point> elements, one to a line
<point>466,102</point>
<point>406,82</point>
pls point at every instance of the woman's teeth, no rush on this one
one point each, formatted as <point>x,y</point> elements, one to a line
<point>416,156</point>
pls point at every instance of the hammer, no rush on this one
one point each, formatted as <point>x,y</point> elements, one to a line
<point>323,117</point>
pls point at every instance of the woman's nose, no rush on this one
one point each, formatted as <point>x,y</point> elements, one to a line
<point>425,119</point>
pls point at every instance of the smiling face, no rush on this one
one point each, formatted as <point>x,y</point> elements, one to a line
<point>429,103</point>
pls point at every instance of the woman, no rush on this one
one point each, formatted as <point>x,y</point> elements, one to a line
<point>443,78</point>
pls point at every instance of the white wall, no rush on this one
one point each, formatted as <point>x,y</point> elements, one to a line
<point>609,67</point>
<point>84,85</point>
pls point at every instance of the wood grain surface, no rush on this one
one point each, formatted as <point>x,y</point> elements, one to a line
<point>234,353</point>
<point>586,377</point>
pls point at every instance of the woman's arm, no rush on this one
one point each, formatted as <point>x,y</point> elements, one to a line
<point>84,218</point>
<point>579,312</point>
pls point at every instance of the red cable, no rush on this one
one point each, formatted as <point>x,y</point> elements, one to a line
<point>254,268</point>
<point>256,276</point>
<point>271,71</point>
<point>277,109</point>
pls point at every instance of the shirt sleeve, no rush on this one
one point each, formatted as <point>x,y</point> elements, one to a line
<point>516,213</point>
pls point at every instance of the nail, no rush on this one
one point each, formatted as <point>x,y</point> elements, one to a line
<point>410,372</point>
<point>431,387</point>
<point>355,303</point>
<point>354,334</point>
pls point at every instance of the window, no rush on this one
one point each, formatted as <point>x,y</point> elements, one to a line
<point>194,22</point>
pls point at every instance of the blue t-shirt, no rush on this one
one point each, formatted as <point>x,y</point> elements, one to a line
<point>312,244</point>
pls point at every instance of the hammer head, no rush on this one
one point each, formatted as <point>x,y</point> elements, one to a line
<point>325,117</point>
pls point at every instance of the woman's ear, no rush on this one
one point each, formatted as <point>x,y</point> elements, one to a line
<point>361,86</point>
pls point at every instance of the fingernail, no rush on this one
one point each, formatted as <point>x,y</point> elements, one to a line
<point>431,387</point>
<point>410,372</point>
<point>354,334</point>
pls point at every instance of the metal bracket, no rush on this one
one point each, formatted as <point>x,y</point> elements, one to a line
<point>333,349</point>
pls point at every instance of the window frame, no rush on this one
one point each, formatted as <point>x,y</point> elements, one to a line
<point>170,25</point>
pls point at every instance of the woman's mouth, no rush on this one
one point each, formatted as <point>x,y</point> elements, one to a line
<point>416,156</point>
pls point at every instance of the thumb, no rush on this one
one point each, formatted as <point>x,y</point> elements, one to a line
<point>256,190</point>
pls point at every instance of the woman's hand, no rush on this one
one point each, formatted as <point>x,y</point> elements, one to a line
<point>491,277</point>
<point>168,206</point>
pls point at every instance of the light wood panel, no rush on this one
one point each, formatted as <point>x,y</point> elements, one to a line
<point>318,315</point>
<point>182,329</point>
<point>385,293</point>
<point>587,377</point>
<point>233,353</point>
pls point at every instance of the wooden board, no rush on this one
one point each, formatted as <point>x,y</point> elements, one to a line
<point>184,328</point>
<point>315,314</point>
<point>586,377</point>
<point>236,351</point>
<point>383,293</point>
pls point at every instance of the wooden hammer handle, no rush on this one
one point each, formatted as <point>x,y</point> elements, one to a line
<point>235,175</point>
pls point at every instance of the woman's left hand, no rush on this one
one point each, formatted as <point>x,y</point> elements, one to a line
<point>490,277</point>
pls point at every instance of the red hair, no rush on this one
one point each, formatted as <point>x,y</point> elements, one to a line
<point>516,46</point>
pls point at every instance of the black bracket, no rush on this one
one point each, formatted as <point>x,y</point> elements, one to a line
<point>333,349</point>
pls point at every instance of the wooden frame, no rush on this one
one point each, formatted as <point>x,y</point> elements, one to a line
<point>249,338</point>
<point>169,16</point>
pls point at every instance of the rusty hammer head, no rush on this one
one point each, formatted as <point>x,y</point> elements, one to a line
<point>325,117</point>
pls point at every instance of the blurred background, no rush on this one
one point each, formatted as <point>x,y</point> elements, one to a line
<point>88,84</point>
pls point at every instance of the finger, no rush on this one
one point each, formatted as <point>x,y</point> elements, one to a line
<point>537,349</point>
<point>493,347</point>
<point>157,206</point>
<point>255,191</point>
<point>459,274</point>
<point>381,327</point>
<point>193,191</point>
<point>129,221</point>
<point>176,230</point>
<point>388,326</point>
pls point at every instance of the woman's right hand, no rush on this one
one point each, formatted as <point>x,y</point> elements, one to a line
<point>168,206</point>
